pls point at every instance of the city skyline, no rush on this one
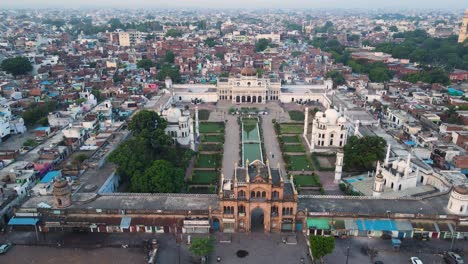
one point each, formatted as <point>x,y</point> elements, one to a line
<point>294,4</point>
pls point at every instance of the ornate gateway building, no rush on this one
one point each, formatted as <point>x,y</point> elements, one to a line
<point>258,199</point>
<point>248,87</point>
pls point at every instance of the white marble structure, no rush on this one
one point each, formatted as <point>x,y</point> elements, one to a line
<point>180,126</point>
<point>328,131</point>
<point>458,201</point>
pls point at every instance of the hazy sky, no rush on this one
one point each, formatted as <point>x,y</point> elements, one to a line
<point>443,4</point>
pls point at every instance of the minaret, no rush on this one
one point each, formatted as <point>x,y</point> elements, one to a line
<point>379,180</point>
<point>197,126</point>
<point>312,135</point>
<point>339,165</point>
<point>221,185</point>
<point>192,140</point>
<point>387,157</point>
<point>247,176</point>
<point>306,120</point>
<point>356,128</point>
<point>408,165</point>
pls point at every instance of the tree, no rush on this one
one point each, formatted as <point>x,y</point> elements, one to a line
<point>169,57</point>
<point>380,74</point>
<point>378,28</point>
<point>261,44</point>
<point>169,70</point>
<point>145,64</point>
<point>160,177</point>
<point>393,29</point>
<point>296,54</point>
<point>210,42</point>
<point>362,153</point>
<point>220,55</point>
<point>16,66</point>
<point>173,33</point>
<point>201,246</point>
<point>337,78</point>
<point>321,246</point>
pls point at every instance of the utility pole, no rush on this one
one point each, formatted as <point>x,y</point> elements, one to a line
<point>347,254</point>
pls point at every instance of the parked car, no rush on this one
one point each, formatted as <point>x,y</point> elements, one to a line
<point>416,260</point>
<point>5,247</point>
<point>452,257</point>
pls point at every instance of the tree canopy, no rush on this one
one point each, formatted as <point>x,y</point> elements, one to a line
<point>337,78</point>
<point>145,64</point>
<point>434,75</point>
<point>17,66</point>
<point>362,153</point>
<point>149,160</point>
<point>173,33</point>
<point>201,246</point>
<point>321,246</point>
<point>171,71</point>
<point>261,45</point>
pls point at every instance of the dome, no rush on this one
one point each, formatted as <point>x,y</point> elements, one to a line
<point>341,120</point>
<point>461,189</point>
<point>332,115</point>
<point>248,71</point>
<point>61,187</point>
<point>401,166</point>
<point>172,114</point>
<point>379,175</point>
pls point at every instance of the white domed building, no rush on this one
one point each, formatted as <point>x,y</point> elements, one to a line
<point>179,126</point>
<point>458,201</point>
<point>329,131</point>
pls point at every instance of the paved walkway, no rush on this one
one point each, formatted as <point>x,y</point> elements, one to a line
<point>231,146</point>
<point>271,143</point>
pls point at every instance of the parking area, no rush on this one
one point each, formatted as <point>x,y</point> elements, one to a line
<point>427,251</point>
<point>261,248</point>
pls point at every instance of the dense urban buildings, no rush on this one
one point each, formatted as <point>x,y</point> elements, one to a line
<point>195,122</point>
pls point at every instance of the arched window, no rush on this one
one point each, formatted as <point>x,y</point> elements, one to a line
<point>59,202</point>
<point>263,194</point>
<point>258,194</point>
<point>275,194</point>
<point>241,209</point>
<point>241,194</point>
<point>422,179</point>
<point>399,187</point>
<point>252,194</point>
<point>391,185</point>
<point>461,208</point>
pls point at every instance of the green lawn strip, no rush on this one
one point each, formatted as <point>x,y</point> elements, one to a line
<point>204,177</point>
<point>212,138</point>
<point>307,180</point>
<point>291,128</point>
<point>298,163</point>
<point>208,160</point>
<point>296,115</point>
<point>204,114</point>
<point>291,139</point>
<point>293,148</point>
<point>211,127</point>
<point>211,147</point>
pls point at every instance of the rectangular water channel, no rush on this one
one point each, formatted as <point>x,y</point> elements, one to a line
<point>251,144</point>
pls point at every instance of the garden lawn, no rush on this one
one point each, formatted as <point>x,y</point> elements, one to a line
<point>291,128</point>
<point>307,180</point>
<point>212,138</point>
<point>211,147</point>
<point>293,148</point>
<point>204,177</point>
<point>291,139</point>
<point>211,127</point>
<point>299,163</point>
<point>203,114</point>
<point>296,115</point>
<point>208,161</point>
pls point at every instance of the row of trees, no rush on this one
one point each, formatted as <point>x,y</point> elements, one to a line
<point>150,161</point>
<point>16,66</point>
<point>165,67</point>
<point>418,46</point>
<point>37,113</point>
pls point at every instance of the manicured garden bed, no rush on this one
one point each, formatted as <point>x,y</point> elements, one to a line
<point>296,115</point>
<point>298,163</point>
<point>211,147</point>
<point>211,127</point>
<point>212,138</point>
<point>208,161</point>
<point>307,180</point>
<point>204,177</point>
<point>293,148</point>
<point>291,139</point>
<point>291,128</point>
<point>203,114</point>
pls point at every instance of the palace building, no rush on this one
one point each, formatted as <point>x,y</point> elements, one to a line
<point>248,87</point>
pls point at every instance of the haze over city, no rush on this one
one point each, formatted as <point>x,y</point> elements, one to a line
<point>207,4</point>
<point>233,132</point>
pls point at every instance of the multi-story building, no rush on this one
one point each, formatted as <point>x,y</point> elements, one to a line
<point>464,28</point>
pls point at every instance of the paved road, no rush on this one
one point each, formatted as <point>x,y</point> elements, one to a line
<point>231,146</point>
<point>271,143</point>
<point>262,248</point>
